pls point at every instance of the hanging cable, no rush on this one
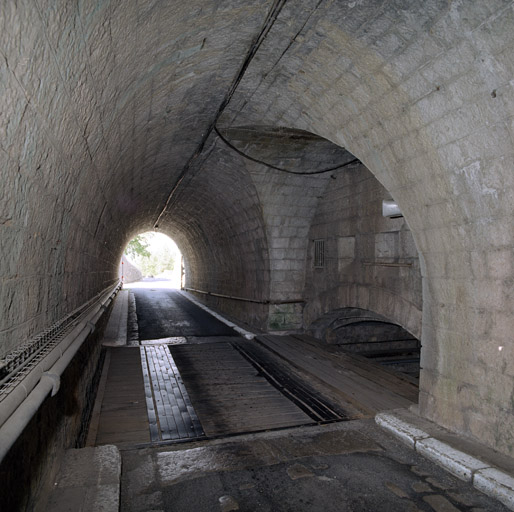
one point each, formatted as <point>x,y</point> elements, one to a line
<point>268,24</point>
<point>281,169</point>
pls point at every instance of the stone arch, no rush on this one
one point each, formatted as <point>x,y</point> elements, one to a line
<point>420,92</point>
<point>385,307</point>
<point>326,326</point>
<point>223,241</point>
<point>369,334</point>
<point>426,104</point>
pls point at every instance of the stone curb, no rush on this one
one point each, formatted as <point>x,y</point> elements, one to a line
<point>482,476</point>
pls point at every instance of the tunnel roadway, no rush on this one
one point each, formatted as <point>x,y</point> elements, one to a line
<point>191,376</point>
<point>221,423</point>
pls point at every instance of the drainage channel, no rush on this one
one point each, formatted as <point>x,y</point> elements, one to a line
<point>301,394</point>
<point>219,390</point>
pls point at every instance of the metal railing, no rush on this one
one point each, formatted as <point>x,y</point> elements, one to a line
<point>32,371</point>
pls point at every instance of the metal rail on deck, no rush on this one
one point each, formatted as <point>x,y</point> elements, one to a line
<point>244,299</point>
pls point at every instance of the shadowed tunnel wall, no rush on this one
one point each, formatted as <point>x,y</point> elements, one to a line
<point>106,129</point>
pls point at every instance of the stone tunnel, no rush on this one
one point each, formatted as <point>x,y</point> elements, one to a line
<point>263,137</point>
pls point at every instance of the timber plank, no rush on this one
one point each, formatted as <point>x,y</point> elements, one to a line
<point>401,384</point>
<point>229,394</point>
<point>123,417</point>
<point>337,373</point>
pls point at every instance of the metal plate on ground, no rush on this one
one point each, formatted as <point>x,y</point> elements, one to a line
<point>170,412</point>
<point>175,340</point>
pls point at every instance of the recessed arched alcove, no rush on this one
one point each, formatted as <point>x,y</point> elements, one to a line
<point>430,125</point>
<point>371,335</point>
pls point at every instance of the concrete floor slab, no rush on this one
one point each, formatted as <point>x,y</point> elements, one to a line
<point>88,481</point>
<point>115,334</point>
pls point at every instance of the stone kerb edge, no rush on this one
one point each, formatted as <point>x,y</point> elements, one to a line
<point>489,480</point>
<point>496,484</point>
<point>407,433</point>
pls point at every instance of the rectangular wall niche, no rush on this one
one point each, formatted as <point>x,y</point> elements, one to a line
<point>386,245</point>
<point>345,251</point>
<point>319,253</point>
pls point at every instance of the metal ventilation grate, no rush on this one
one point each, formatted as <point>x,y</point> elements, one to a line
<point>319,253</point>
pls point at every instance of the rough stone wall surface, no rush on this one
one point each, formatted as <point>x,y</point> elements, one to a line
<point>422,93</point>
<point>129,273</point>
<point>90,143</point>
<point>217,222</point>
<point>105,104</point>
<point>289,203</point>
<point>371,262</point>
<point>289,170</point>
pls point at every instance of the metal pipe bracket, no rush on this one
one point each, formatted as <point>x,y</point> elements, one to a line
<point>56,381</point>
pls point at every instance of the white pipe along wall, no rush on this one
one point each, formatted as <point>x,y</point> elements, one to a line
<point>24,401</point>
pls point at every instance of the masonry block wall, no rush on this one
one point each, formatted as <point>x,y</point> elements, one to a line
<point>53,223</point>
<point>370,262</point>
<point>98,118</point>
<point>289,203</point>
<point>217,222</point>
<point>107,129</point>
<point>421,93</point>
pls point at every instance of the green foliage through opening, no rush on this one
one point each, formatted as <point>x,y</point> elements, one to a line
<point>153,253</point>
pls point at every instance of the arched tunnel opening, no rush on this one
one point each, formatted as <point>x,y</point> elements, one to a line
<point>264,138</point>
<point>280,270</point>
<point>152,257</point>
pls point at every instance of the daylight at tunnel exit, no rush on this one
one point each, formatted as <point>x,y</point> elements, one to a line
<point>257,255</point>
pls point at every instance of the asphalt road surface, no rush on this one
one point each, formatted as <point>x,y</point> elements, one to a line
<point>164,313</point>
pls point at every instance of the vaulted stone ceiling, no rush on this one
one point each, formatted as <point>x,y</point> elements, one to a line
<point>109,117</point>
<point>108,121</point>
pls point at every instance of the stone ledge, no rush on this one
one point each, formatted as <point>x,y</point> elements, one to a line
<point>483,475</point>
<point>458,463</point>
<point>407,433</point>
<point>497,484</point>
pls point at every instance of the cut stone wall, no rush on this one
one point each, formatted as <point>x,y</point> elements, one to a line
<point>129,273</point>
<point>217,223</point>
<point>289,203</point>
<point>371,262</point>
<point>421,93</point>
<point>107,116</point>
<point>99,115</point>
